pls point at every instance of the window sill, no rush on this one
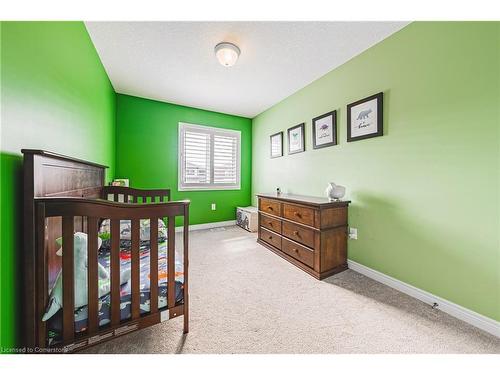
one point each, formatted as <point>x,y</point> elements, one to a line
<point>207,188</point>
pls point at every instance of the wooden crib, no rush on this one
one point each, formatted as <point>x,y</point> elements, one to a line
<point>64,195</point>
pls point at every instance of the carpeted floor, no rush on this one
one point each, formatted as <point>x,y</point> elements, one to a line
<point>245,299</point>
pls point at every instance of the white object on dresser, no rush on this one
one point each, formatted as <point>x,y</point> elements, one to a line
<point>334,192</point>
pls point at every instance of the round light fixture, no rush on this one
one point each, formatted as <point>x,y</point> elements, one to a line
<point>227,53</point>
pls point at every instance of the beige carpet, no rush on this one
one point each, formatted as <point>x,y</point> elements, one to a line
<point>245,299</point>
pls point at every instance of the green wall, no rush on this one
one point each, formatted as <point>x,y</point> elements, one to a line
<point>425,196</point>
<point>146,153</point>
<point>55,96</point>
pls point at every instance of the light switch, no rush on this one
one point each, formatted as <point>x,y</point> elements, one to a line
<point>353,233</point>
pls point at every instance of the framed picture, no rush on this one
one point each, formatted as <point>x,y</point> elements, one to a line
<point>277,145</point>
<point>296,139</point>
<point>364,118</point>
<point>325,130</point>
<point>120,182</point>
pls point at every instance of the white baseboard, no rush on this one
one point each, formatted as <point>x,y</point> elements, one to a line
<point>217,224</point>
<point>480,321</point>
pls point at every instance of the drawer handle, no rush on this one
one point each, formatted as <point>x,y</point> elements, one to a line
<point>270,208</point>
<point>297,214</point>
<point>270,238</point>
<point>270,223</point>
<point>296,233</point>
<point>296,250</point>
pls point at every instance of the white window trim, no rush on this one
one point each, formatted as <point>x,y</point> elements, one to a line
<point>213,131</point>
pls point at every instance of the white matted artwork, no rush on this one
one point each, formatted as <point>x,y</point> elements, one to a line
<point>277,145</point>
<point>121,182</point>
<point>296,139</point>
<point>325,130</point>
<point>364,118</point>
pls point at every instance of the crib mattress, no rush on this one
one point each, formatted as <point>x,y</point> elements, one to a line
<point>54,324</point>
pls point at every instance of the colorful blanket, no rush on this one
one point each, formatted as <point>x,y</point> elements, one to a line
<point>55,323</point>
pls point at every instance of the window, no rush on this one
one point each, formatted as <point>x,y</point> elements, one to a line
<point>209,158</point>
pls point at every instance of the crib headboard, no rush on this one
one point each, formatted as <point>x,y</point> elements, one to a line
<point>54,175</point>
<point>47,174</point>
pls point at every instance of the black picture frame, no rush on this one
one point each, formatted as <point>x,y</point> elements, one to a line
<point>333,114</point>
<point>280,134</point>
<point>380,118</point>
<point>303,148</point>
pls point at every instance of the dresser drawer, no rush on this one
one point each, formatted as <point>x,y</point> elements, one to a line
<point>270,206</point>
<point>299,214</point>
<point>298,233</point>
<point>301,253</point>
<point>270,223</point>
<point>270,237</point>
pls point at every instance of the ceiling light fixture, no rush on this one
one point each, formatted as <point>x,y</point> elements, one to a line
<point>227,53</point>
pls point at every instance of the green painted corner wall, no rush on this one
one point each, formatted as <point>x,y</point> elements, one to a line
<point>147,153</point>
<point>425,195</point>
<point>55,95</point>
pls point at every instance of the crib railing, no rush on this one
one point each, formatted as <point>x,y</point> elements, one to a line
<point>131,195</point>
<point>90,211</point>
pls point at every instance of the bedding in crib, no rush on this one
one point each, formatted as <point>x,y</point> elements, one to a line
<point>104,308</point>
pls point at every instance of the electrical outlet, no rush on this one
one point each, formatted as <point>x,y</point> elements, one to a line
<point>353,233</point>
<point>213,207</point>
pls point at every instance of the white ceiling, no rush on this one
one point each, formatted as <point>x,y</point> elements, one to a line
<point>174,61</point>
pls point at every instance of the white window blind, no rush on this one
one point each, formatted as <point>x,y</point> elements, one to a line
<point>209,158</point>
<point>196,158</point>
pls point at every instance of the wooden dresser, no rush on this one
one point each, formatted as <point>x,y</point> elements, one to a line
<point>309,232</point>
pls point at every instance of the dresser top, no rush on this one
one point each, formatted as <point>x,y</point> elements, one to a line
<point>304,199</point>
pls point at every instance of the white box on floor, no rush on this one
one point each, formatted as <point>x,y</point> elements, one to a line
<point>246,217</point>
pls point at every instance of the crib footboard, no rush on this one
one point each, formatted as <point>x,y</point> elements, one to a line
<point>84,215</point>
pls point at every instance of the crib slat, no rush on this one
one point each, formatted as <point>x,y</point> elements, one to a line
<point>115,272</point>
<point>93,277</point>
<point>153,257</point>
<point>68,276</point>
<point>135,268</point>
<point>171,262</point>
<point>186,269</point>
<point>42,274</point>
